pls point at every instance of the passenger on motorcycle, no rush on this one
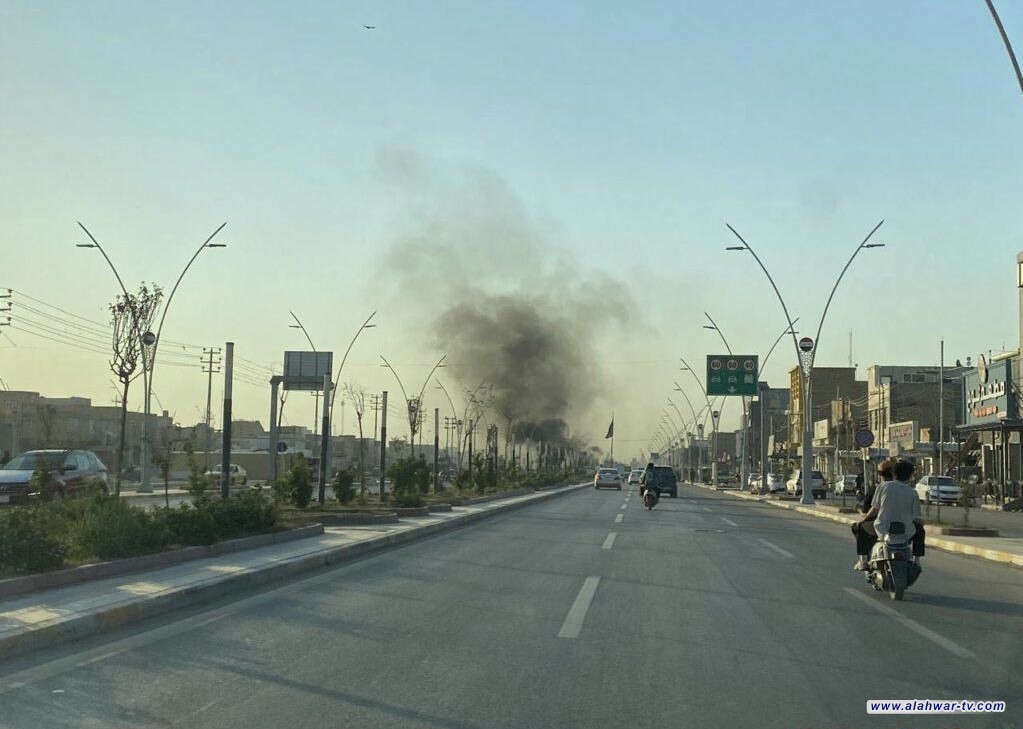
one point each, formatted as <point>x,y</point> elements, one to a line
<point>647,475</point>
<point>893,501</point>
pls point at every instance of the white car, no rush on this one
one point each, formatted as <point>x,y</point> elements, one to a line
<point>847,485</point>
<point>942,489</point>
<point>775,483</point>
<point>635,475</point>
<point>238,474</point>
<point>818,486</point>
<point>607,478</point>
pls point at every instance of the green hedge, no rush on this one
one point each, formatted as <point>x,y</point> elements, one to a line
<point>42,537</point>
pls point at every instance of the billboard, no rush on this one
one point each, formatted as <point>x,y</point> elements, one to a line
<point>305,370</point>
<point>903,435</point>
<point>987,392</point>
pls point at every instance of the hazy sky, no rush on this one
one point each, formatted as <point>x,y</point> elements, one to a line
<point>629,133</point>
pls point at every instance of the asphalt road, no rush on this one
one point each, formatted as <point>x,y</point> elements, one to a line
<point>705,612</point>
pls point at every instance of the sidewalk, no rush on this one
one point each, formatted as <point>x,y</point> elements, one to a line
<point>70,613</point>
<point>1007,550</point>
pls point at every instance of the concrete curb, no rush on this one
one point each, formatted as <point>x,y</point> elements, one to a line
<point>946,545</point>
<point>67,629</point>
<point>14,586</point>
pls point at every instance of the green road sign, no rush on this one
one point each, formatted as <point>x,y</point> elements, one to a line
<point>732,374</point>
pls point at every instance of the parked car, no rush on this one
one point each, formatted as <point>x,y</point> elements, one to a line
<point>66,472</point>
<point>775,483</point>
<point>663,477</point>
<point>607,478</point>
<point>846,485</point>
<point>942,489</point>
<point>238,475</point>
<point>753,482</point>
<point>635,475</point>
<point>818,486</point>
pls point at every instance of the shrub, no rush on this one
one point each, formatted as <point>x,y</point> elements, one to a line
<point>188,525</point>
<point>109,528</point>
<point>408,499</point>
<point>300,483</point>
<point>409,475</point>
<point>344,486</point>
<point>27,542</point>
<point>198,481</point>
<point>249,512</point>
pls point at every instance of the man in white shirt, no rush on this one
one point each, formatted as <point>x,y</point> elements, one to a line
<point>894,501</point>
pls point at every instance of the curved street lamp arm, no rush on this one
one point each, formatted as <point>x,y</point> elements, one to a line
<point>697,378</point>
<point>774,286</point>
<point>767,356</point>
<point>393,372</point>
<point>718,330</point>
<point>112,268</point>
<point>689,402</point>
<point>423,388</point>
<point>337,380</point>
<point>1008,45</point>
<point>834,288</point>
<point>302,327</point>
<point>170,298</point>
<point>454,413</point>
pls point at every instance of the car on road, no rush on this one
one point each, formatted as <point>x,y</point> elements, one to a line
<point>239,477</point>
<point>663,478</point>
<point>775,483</point>
<point>940,489</point>
<point>607,478</point>
<point>818,486</point>
<point>635,475</point>
<point>846,485</point>
<point>64,473</point>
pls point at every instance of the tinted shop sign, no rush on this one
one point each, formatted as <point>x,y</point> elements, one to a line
<point>987,391</point>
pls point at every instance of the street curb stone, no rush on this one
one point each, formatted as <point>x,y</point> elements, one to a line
<point>946,545</point>
<point>77,627</point>
<point>14,586</point>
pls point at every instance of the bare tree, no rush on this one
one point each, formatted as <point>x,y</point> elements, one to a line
<point>357,394</point>
<point>131,317</point>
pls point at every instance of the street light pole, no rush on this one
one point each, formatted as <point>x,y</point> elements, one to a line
<point>807,370</point>
<point>146,485</point>
<point>337,378</point>
<point>743,468</point>
<point>316,393</point>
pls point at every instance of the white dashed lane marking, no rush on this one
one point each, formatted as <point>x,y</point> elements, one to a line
<point>577,613</point>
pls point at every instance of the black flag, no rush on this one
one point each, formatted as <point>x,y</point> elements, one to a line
<point>610,429</point>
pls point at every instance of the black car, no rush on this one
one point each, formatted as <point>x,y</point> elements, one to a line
<point>663,479</point>
<point>67,472</point>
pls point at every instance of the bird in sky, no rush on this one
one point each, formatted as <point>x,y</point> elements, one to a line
<point>370,27</point>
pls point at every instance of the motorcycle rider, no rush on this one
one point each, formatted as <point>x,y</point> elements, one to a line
<point>893,501</point>
<point>648,476</point>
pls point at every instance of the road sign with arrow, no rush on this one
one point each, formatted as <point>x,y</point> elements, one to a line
<point>732,374</point>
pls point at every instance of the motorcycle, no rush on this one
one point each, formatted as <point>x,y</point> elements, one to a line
<point>891,567</point>
<point>650,497</point>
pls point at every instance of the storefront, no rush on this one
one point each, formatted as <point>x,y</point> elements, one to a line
<point>989,442</point>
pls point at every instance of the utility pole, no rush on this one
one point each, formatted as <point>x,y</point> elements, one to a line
<point>225,456</point>
<point>375,407</point>
<point>941,413</point>
<point>436,450</point>
<point>383,440</point>
<point>325,440</point>
<point>209,367</point>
